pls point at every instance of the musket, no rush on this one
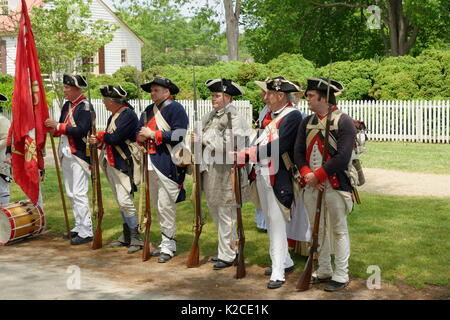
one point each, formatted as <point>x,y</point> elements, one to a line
<point>193,259</point>
<point>97,242</point>
<point>303,283</point>
<point>142,173</point>
<point>148,213</point>
<point>236,183</point>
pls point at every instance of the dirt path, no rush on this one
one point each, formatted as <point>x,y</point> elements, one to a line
<point>41,265</point>
<point>406,183</point>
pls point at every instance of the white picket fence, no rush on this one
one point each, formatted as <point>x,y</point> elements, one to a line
<point>414,121</point>
<point>203,107</point>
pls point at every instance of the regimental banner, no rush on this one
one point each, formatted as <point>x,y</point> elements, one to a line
<point>29,111</point>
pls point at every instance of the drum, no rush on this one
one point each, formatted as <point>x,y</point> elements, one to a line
<point>19,220</point>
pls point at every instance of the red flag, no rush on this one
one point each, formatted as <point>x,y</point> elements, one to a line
<point>30,110</point>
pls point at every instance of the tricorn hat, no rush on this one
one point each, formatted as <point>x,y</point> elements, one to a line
<point>262,85</point>
<point>116,92</point>
<point>280,84</point>
<point>321,84</point>
<point>163,82</point>
<point>224,85</point>
<point>3,98</point>
<point>74,80</point>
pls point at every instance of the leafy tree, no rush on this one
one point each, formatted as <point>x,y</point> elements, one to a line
<point>296,26</point>
<point>171,38</point>
<point>405,20</point>
<point>65,34</point>
<point>324,30</point>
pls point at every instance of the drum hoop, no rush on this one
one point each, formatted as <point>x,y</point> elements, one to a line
<point>12,223</point>
<point>18,238</point>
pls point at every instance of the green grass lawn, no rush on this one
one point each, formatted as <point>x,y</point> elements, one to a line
<point>413,157</point>
<point>406,237</point>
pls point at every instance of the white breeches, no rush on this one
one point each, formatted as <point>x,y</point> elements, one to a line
<point>336,206</point>
<point>121,187</point>
<point>225,220</point>
<point>166,209</point>
<point>276,229</point>
<point>76,182</point>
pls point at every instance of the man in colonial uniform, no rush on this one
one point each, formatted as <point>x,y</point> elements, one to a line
<point>117,161</point>
<point>331,177</point>
<point>73,128</point>
<point>163,125</point>
<point>273,180</point>
<point>216,166</point>
<point>5,168</point>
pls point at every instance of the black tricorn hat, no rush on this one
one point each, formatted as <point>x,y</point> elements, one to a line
<point>321,84</point>
<point>163,82</point>
<point>280,84</point>
<point>224,85</point>
<point>3,98</point>
<point>116,92</point>
<point>75,80</point>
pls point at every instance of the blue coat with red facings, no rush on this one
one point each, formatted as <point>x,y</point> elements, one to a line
<point>127,124</point>
<point>176,117</point>
<point>79,133</point>
<point>287,127</point>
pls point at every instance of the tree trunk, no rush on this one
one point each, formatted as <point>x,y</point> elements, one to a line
<point>399,29</point>
<point>393,27</point>
<point>232,27</point>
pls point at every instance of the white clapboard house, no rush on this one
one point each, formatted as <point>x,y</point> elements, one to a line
<point>123,50</point>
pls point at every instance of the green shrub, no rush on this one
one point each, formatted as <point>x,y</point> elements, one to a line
<point>291,66</point>
<point>356,77</point>
<point>131,90</point>
<point>6,88</point>
<point>127,74</point>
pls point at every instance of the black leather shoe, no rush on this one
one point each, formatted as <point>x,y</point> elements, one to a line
<point>316,280</point>
<point>274,284</point>
<point>214,259</point>
<point>133,249</point>
<point>335,286</point>
<point>220,264</point>
<point>79,240</point>
<point>164,257</point>
<point>118,244</point>
<point>72,235</point>
<point>155,253</point>
<point>268,271</point>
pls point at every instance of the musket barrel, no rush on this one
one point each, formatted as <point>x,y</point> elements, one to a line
<point>97,242</point>
<point>193,259</point>
<point>148,214</point>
